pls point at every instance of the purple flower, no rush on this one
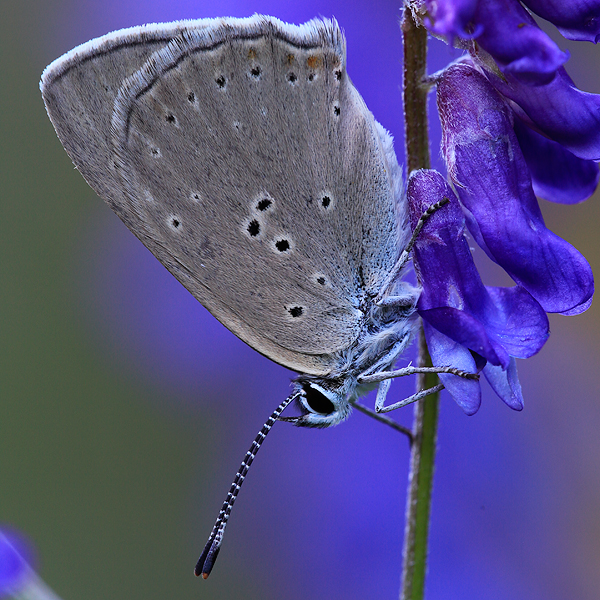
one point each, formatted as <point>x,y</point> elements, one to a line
<point>505,30</point>
<point>515,41</point>
<point>492,179</point>
<point>525,66</point>
<point>17,576</point>
<point>468,325</point>
<point>15,557</point>
<point>513,126</point>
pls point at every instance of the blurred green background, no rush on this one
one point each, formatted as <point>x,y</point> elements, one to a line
<point>118,487</point>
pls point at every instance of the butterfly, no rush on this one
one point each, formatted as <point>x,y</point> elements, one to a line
<point>241,155</point>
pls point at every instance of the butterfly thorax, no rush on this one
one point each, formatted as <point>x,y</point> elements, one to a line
<point>387,330</point>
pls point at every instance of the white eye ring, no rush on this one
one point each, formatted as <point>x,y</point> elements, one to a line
<point>317,401</point>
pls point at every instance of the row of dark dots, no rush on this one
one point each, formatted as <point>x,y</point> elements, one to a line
<point>255,71</point>
<point>282,245</point>
<point>254,225</point>
<point>253,228</point>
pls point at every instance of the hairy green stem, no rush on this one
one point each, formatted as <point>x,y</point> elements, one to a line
<point>415,91</point>
<point>418,501</point>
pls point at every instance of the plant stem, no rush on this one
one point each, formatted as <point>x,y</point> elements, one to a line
<point>418,501</point>
<point>420,479</point>
<point>415,91</point>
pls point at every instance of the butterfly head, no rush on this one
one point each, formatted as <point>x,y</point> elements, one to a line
<point>321,402</point>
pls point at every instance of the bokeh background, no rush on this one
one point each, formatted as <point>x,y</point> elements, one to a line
<point>125,408</point>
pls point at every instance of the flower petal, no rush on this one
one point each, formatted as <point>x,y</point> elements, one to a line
<point>443,260</point>
<point>524,327</point>
<point>558,110</point>
<point>489,172</point>
<point>517,43</point>
<point>557,174</point>
<point>506,384</point>
<point>446,352</point>
<point>450,17</point>
<point>575,19</point>
<point>578,309</point>
<point>494,322</point>
<point>466,330</point>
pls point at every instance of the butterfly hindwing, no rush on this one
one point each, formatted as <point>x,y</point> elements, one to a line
<point>239,152</point>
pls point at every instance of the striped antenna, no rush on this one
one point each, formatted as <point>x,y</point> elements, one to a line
<point>211,549</point>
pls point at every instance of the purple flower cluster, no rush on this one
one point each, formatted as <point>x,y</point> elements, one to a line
<point>514,127</point>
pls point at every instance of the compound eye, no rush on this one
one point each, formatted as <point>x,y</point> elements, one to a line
<point>316,401</point>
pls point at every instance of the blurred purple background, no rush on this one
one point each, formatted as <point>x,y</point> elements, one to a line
<point>128,407</point>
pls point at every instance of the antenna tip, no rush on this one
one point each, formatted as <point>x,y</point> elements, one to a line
<point>197,573</point>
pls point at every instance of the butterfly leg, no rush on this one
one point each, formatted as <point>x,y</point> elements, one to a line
<point>375,377</point>
<point>382,392</point>
<point>385,379</point>
<point>382,419</point>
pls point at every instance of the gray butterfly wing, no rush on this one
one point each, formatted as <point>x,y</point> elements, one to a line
<point>79,90</point>
<point>241,155</point>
